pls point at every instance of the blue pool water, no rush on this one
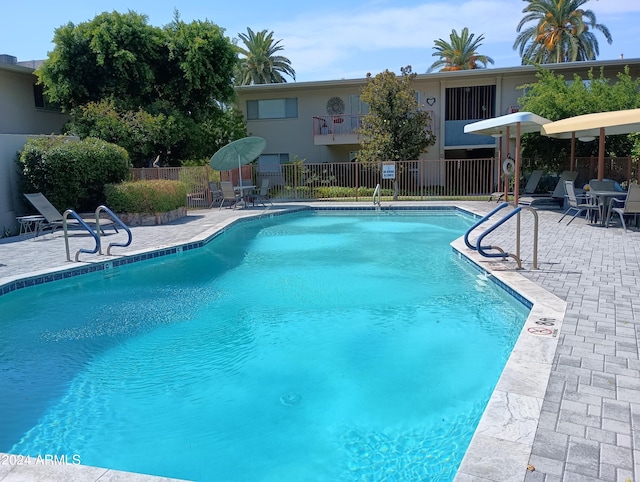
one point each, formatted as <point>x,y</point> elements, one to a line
<point>310,347</point>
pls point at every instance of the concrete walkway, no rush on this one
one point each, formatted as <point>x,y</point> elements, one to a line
<point>589,427</point>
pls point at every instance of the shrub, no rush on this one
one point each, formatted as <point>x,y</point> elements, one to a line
<point>72,173</point>
<point>146,197</point>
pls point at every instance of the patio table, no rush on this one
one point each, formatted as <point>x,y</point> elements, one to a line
<point>30,224</point>
<point>244,191</point>
<point>605,199</point>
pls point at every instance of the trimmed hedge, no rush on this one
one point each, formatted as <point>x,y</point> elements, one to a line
<point>146,197</point>
<point>72,173</point>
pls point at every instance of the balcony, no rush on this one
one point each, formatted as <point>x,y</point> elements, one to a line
<point>332,130</point>
<point>454,135</point>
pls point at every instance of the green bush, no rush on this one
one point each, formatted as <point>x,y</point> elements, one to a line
<point>146,197</point>
<point>72,173</point>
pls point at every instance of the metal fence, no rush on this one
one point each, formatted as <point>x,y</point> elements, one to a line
<point>355,181</point>
<point>414,180</point>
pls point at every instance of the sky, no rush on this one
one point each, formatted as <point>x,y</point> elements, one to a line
<point>328,39</point>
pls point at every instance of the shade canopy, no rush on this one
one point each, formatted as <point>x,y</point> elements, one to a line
<point>497,126</point>
<point>599,125</point>
<point>238,153</point>
<point>521,122</point>
<point>589,125</point>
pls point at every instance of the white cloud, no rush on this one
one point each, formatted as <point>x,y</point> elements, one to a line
<point>328,39</point>
<point>365,36</point>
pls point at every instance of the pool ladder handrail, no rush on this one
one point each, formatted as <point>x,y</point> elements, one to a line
<point>482,220</point>
<point>376,191</point>
<point>116,219</point>
<point>76,216</point>
<point>501,253</point>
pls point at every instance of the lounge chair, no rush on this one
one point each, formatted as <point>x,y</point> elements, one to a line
<point>578,204</point>
<point>53,218</point>
<point>229,194</point>
<point>626,207</point>
<point>530,187</point>
<point>557,196</point>
<point>262,196</point>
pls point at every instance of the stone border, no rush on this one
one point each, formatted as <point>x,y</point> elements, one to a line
<point>142,219</point>
<point>501,445</point>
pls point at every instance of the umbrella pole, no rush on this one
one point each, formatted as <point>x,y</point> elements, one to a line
<point>516,182</point>
<point>572,161</point>
<point>601,156</point>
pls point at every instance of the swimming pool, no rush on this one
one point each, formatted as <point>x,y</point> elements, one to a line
<point>343,376</point>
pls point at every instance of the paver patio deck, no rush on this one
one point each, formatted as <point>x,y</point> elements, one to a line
<point>589,427</point>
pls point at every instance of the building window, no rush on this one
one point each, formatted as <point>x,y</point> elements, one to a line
<point>272,109</point>
<point>470,103</point>
<point>356,106</point>
<point>41,101</point>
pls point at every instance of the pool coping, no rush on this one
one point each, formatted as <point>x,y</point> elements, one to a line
<point>501,446</point>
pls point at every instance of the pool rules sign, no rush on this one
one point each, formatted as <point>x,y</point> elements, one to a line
<point>388,170</point>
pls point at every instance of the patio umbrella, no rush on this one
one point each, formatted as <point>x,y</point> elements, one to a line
<point>595,125</point>
<point>523,122</point>
<point>238,153</point>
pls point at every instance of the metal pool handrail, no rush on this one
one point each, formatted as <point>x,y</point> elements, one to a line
<point>85,226</point>
<point>482,221</point>
<point>376,192</point>
<point>117,220</point>
<point>501,253</point>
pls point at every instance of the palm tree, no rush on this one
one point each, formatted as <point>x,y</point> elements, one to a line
<point>460,53</point>
<point>562,32</point>
<point>260,65</point>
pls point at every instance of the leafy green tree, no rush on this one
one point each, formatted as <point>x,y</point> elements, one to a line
<point>114,55</point>
<point>201,66</point>
<point>555,98</point>
<point>260,64</point>
<point>151,90</point>
<point>460,53</point>
<point>561,31</point>
<point>395,129</point>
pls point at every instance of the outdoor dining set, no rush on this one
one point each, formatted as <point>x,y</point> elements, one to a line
<point>601,200</point>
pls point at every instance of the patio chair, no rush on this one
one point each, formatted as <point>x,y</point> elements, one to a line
<point>630,206</point>
<point>216,193</point>
<point>530,187</point>
<point>53,218</point>
<point>556,196</point>
<point>229,194</point>
<point>604,185</point>
<point>577,204</point>
<point>262,196</point>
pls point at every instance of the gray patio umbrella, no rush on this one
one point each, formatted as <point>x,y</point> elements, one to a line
<point>238,153</point>
<point>523,122</point>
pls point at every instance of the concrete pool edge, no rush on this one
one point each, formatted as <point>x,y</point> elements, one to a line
<point>501,445</point>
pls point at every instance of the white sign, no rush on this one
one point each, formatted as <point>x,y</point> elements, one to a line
<point>388,170</point>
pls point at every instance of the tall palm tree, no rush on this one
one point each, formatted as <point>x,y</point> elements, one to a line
<point>561,32</point>
<point>460,53</point>
<point>259,64</point>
